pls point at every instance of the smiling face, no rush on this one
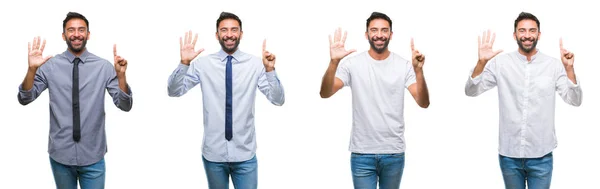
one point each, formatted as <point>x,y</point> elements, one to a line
<point>527,34</point>
<point>76,35</point>
<point>229,35</point>
<point>379,35</point>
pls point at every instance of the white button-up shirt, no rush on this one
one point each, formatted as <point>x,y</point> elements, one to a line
<point>527,100</point>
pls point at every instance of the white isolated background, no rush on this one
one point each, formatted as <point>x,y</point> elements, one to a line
<point>304,143</point>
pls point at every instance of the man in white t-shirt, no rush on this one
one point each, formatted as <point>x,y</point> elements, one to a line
<point>377,78</point>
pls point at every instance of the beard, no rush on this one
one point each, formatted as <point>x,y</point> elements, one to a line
<point>76,49</point>
<point>377,49</point>
<point>229,50</point>
<point>523,48</point>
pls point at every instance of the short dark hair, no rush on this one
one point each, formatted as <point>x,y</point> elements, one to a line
<point>228,15</point>
<point>74,15</point>
<point>526,16</point>
<point>378,15</point>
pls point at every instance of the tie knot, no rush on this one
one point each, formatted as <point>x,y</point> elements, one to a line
<point>229,58</point>
<point>76,60</point>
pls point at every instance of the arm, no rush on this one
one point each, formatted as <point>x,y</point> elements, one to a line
<point>566,81</point>
<point>268,83</point>
<point>418,91</point>
<point>331,84</point>
<point>483,77</point>
<point>35,80</point>
<point>117,84</point>
<point>185,75</point>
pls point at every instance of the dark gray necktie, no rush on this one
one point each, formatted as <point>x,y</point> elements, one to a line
<point>76,118</point>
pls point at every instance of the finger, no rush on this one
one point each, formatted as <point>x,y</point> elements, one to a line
<point>115,49</point>
<point>497,52</point>
<point>43,45</point>
<point>336,37</point>
<point>487,36</point>
<point>47,58</point>
<point>34,43</point>
<point>560,43</point>
<point>180,44</point>
<point>478,42</point>
<point>412,44</point>
<point>194,42</point>
<point>330,42</point>
<point>272,57</point>
<point>199,51</point>
<point>264,46</point>
<point>344,37</point>
<point>29,47</point>
<point>350,51</point>
<point>187,37</point>
<point>493,39</point>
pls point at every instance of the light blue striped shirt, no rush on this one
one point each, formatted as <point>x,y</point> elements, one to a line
<point>248,73</point>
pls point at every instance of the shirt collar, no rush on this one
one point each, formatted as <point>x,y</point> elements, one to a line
<point>524,58</point>
<point>70,56</point>
<point>236,55</point>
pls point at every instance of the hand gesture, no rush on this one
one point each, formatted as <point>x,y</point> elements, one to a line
<point>418,59</point>
<point>267,58</point>
<point>35,53</point>
<point>485,45</point>
<point>336,47</point>
<point>120,62</point>
<point>187,48</point>
<point>568,58</point>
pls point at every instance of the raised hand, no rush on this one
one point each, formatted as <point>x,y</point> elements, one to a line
<point>267,58</point>
<point>336,46</point>
<point>567,57</point>
<point>187,48</point>
<point>35,53</point>
<point>120,62</point>
<point>485,45</point>
<point>418,59</point>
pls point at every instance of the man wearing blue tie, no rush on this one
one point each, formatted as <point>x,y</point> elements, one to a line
<point>228,79</point>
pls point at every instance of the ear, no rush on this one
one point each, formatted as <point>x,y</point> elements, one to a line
<point>391,34</point>
<point>217,36</point>
<point>241,34</point>
<point>63,36</point>
<point>367,35</point>
<point>515,36</point>
<point>539,35</point>
<point>88,35</point>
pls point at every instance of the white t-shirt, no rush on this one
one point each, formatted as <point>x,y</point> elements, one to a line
<point>377,101</point>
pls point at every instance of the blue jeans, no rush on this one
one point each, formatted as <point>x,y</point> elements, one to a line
<point>90,177</point>
<point>367,169</point>
<point>536,172</point>
<point>243,174</point>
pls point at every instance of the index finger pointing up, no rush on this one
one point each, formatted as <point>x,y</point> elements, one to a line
<point>115,49</point>
<point>412,44</point>
<point>560,43</point>
<point>264,45</point>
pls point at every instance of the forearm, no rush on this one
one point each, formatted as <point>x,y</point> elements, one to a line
<point>123,82</point>
<point>329,79</point>
<point>422,91</point>
<point>478,68</point>
<point>29,78</point>
<point>571,74</point>
<point>176,83</point>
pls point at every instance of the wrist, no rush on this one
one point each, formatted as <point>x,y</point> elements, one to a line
<point>186,62</point>
<point>269,69</point>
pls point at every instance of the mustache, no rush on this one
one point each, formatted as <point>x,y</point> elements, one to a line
<point>378,39</point>
<point>76,38</point>
<point>228,38</point>
<point>528,39</point>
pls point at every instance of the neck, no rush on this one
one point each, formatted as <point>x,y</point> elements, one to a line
<point>77,54</point>
<point>528,54</point>
<point>379,56</point>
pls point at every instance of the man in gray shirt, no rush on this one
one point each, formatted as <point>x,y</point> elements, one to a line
<point>76,80</point>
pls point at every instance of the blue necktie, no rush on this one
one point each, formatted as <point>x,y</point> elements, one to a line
<point>228,100</point>
<point>75,98</point>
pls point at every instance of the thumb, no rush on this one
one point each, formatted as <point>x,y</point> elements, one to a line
<point>199,51</point>
<point>498,52</point>
<point>47,58</point>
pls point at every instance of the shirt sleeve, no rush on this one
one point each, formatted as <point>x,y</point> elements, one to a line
<point>183,79</point>
<point>410,77</point>
<point>570,92</point>
<point>343,72</point>
<point>271,87</point>
<point>40,83</point>
<point>483,82</point>
<point>123,100</point>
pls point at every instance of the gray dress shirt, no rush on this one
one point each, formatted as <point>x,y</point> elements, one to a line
<point>95,75</point>
<point>248,74</point>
